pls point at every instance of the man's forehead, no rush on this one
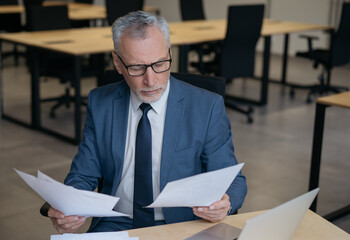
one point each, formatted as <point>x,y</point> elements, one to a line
<point>154,45</point>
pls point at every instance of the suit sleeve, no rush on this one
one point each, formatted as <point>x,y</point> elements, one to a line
<point>85,169</point>
<point>218,151</point>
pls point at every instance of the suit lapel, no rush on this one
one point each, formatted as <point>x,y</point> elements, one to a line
<point>119,129</point>
<point>173,119</point>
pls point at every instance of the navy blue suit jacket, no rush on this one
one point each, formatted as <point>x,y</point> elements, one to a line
<point>197,138</point>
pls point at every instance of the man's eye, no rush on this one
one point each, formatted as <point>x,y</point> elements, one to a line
<point>159,64</point>
<point>137,68</point>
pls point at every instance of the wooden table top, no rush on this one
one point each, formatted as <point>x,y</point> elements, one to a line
<point>11,9</point>
<point>312,227</point>
<point>99,39</point>
<point>213,30</point>
<point>339,99</point>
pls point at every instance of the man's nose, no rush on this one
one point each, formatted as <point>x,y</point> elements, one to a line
<point>149,77</point>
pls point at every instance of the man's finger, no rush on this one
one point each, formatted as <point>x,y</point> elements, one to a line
<point>55,213</point>
<point>73,224</point>
<point>67,220</point>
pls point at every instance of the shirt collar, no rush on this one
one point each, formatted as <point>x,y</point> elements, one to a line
<point>157,106</point>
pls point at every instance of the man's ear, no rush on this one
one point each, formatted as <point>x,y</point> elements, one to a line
<point>116,62</point>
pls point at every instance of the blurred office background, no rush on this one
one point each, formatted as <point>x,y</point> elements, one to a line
<point>276,147</point>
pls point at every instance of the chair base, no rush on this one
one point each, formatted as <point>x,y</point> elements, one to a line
<point>63,100</point>
<point>231,103</point>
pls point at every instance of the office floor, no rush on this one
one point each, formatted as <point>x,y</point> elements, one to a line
<point>276,148</point>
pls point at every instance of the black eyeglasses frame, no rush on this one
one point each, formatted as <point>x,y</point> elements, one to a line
<point>145,65</point>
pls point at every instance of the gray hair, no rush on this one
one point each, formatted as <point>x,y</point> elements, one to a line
<point>135,25</point>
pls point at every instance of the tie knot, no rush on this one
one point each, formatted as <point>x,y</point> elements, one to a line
<point>145,107</point>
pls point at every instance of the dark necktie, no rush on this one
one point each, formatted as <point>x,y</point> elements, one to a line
<point>143,191</point>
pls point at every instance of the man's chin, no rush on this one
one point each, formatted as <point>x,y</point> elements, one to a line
<point>150,98</point>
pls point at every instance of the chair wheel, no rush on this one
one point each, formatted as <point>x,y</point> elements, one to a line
<point>250,120</point>
<point>292,93</point>
<point>52,114</point>
<point>308,99</point>
<point>250,110</point>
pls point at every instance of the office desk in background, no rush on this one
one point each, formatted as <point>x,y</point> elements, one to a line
<point>312,227</point>
<point>79,42</point>
<point>199,31</point>
<point>73,42</point>
<point>339,100</point>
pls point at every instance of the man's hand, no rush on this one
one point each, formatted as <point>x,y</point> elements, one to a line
<point>65,224</point>
<point>216,211</point>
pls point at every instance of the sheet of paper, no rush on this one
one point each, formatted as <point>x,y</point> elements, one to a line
<point>93,236</point>
<point>69,200</point>
<point>199,190</point>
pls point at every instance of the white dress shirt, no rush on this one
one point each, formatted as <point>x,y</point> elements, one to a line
<point>156,116</point>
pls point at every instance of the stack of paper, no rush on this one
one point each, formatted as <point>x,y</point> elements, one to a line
<point>69,200</point>
<point>199,190</point>
<point>94,236</point>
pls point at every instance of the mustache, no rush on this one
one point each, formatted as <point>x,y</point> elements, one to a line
<point>152,89</point>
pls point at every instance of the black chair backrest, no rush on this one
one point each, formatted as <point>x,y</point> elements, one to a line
<point>243,31</point>
<point>9,2</point>
<point>116,9</point>
<point>32,2</point>
<point>340,43</point>
<point>192,10</point>
<point>10,22</point>
<point>40,18</point>
<point>110,76</point>
<point>211,83</point>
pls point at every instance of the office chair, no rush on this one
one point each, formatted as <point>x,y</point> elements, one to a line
<point>210,83</point>
<point>81,23</point>
<point>116,9</point>
<point>193,10</point>
<point>27,5</point>
<point>337,54</point>
<point>236,58</point>
<point>110,76</point>
<point>11,22</point>
<point>33,2</point>
<point>55,64</point>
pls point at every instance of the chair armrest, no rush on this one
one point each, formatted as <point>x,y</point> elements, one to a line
<point>309,39</point>
<point>44,209</point>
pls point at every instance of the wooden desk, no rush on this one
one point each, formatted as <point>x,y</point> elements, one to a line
<point>312,227</point>
<point>191,32</point>
<point>339,100</point>
<point>77,42</point>
<point>4,9</point>
<point>73,42</point>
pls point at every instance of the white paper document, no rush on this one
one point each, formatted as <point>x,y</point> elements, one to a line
<point>94,236</point>
<point>199,190</point>
<point>69,200</point>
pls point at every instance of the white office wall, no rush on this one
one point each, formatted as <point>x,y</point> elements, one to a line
<point>214,9</point>
<point>309,11</point>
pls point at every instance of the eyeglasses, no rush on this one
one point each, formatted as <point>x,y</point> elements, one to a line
<point>140,69</point>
